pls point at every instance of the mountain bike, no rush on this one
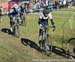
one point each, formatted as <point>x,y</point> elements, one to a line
<point>15,26</point>
<point>46,41</point>
<point>71,47</point>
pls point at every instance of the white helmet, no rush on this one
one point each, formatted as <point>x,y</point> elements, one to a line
<point>15,6</point>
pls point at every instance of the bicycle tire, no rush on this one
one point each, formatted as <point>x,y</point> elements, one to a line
<point>71,46</point>
<point>17,31</point>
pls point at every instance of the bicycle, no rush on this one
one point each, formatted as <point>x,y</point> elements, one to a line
<point>46,40</point>
<point>71,47</point>
<point>15,26</point>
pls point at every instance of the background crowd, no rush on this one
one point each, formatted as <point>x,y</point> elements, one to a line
<point>35,5</point>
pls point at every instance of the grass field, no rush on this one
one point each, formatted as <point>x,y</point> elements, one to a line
<point>3,0</point>
<point>13,50</point>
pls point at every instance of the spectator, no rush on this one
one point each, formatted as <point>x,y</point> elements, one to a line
<point>56,5</point>
<point>10,5</point>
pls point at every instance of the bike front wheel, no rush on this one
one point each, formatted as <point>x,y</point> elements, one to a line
<point>16,31</point>
<point>48,45</point>
<point>71,46</point>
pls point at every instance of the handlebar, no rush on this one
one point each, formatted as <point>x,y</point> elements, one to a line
<point>53,26</point>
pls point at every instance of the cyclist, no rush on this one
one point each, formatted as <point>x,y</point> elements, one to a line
<point>43,21</point>
<point>22,8</point>
<point>14,11</point>
<point>22,13</point>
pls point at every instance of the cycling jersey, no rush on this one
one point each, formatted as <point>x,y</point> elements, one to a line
<point>45,19</point>
<point>13,11</point>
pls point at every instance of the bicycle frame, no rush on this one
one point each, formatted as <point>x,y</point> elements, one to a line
<point>45,41</point>
<point>45,33</point>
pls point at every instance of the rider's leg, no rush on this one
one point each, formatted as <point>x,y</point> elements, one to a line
<point>40,34</point>
<point>21,18</point>
<point>46,31</point>
<point>40,39</point>
<point>11,23</point>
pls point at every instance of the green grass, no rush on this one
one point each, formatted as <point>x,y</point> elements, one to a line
<point>12,50</point>
<point>3,0</point>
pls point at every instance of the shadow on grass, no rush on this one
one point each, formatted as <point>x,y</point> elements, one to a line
<point>60,51</point>
<point>57,50</point>
<point>32,44</point>
<point>6,30</point>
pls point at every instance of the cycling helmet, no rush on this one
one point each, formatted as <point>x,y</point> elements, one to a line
<point>46,10</point>
<point>15,6</point>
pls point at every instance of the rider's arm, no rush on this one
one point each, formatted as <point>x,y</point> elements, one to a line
<point>51,18</point>
<point>19,10</point>
<point>40,18</point>
<point>11,11</point>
